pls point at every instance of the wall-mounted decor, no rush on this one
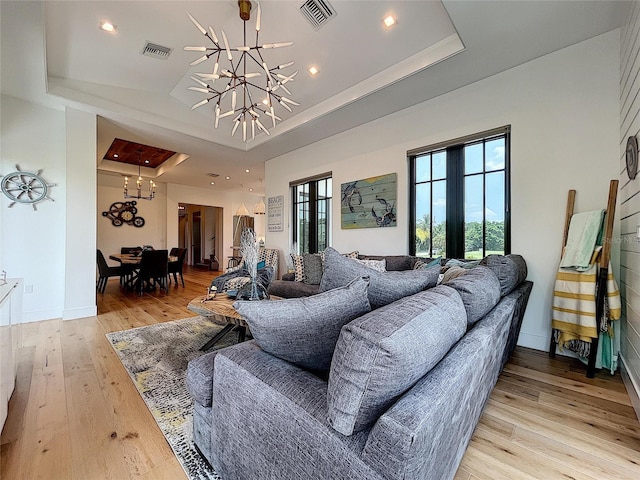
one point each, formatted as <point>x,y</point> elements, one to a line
<point>632,157</point>
<point>370,202</point>
<point>275,213</point>
<point>25,187</point>
<point>124,212</point>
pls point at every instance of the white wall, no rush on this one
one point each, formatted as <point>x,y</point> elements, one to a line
<point>563,109</point>
<point>629,197</point>
<point>33,242</point>
<point>80,232</point>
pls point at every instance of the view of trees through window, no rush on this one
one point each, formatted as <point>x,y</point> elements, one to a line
<point>459,199</point>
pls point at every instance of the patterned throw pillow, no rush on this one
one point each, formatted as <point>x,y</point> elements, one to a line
<point>377,265</point>
<point>298,267</point>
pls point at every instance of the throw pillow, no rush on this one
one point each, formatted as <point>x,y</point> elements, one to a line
<point>409,336</point>
<point>384,287</point>
<point>377,265</point>
<point>298,267</point>
<point>312,268</point>
<point>510,270</point>
<point>305,330</point>
<point>426,263</point>
<point>480,292</point>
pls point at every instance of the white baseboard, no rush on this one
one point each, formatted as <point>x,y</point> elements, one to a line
<point>40,315</point>
<point>80,312</point>
<point>532,340</point>
<point>633,389</point>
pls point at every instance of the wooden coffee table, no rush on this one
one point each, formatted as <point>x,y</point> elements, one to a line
<point>220,310</point>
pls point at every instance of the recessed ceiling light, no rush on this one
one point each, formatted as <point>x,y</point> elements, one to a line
<point>147,162</point>
<point>251,189</point>
<point>247,170</point>
<point>313,70</point>
<point>213,183</point>
<point>389,21</point>
<point>227,177</point>
<point>108,27</point>
<point>115,155</point>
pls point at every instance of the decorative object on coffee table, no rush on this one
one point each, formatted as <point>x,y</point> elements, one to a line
<point>253,290</point>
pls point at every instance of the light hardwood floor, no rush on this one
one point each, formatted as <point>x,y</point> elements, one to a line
<point>75,414</point>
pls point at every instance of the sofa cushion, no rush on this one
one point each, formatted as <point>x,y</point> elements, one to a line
<point>506,269</point>
<point>382,354</point>
<point>312,267</point>
<point>384,287</point>
<point>393,262</point>
<point>304,330</point>
<point>291,289</point>
<point>480,291</point>
<point>199,378</point>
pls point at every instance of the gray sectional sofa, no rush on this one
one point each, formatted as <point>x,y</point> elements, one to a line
<point>287,287</point>
<point>406,384</point>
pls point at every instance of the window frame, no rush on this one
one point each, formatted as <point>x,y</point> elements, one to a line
<point>455,179</point>
<point>313,201</point>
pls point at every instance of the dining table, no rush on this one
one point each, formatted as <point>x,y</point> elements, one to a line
<point>132,261</point>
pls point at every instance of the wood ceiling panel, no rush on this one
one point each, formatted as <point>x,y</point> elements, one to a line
<point>124,151</point>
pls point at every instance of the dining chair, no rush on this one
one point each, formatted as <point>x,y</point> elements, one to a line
<point>176,267</point>
<point>153,270</point>
<point>128,270</point>
<point>105,271</point>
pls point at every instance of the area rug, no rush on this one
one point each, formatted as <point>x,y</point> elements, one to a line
<point>156,358</point>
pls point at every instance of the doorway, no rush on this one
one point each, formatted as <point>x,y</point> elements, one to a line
<point>200,232</point>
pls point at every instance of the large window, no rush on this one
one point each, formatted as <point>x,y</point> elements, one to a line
<point>459,197</point>
<point>311,213</point>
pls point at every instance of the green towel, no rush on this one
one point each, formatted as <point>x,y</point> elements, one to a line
<point>581,240</point>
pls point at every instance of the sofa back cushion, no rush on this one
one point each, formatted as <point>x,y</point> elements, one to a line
<point>394,263</point>
<point>304,330</point>
<point>511,270</point>
<point>382,354</point>
<point>480,291</point>
<point>384,287</point>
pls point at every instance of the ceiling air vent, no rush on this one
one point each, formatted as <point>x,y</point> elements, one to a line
<point>156,51</point>
<point>318,12</point>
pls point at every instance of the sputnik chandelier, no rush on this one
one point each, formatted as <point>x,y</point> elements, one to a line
<point>251,96</point>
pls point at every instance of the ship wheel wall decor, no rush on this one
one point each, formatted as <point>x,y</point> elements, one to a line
<point>25,187</point>
<point>124,212</point>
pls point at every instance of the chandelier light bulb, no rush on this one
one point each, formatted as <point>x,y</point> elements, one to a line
<point>252,92</point>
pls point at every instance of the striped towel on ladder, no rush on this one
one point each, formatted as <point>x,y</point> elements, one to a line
<point>574,307</point>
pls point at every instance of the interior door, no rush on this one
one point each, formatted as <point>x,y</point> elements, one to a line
<point>196,237</point>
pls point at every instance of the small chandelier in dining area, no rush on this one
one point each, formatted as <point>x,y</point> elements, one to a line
<point>253,86</point>
<point>140,193</point>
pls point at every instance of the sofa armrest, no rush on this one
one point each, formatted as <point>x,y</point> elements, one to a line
<point>269,421</point>
<point>289,277</point>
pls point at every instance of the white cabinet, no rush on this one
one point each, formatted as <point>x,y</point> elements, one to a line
<point>10,340</point>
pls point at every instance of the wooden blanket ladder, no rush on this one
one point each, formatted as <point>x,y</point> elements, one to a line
<point>602,272</point>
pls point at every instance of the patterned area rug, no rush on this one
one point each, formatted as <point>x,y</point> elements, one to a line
<point>156,359</point>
